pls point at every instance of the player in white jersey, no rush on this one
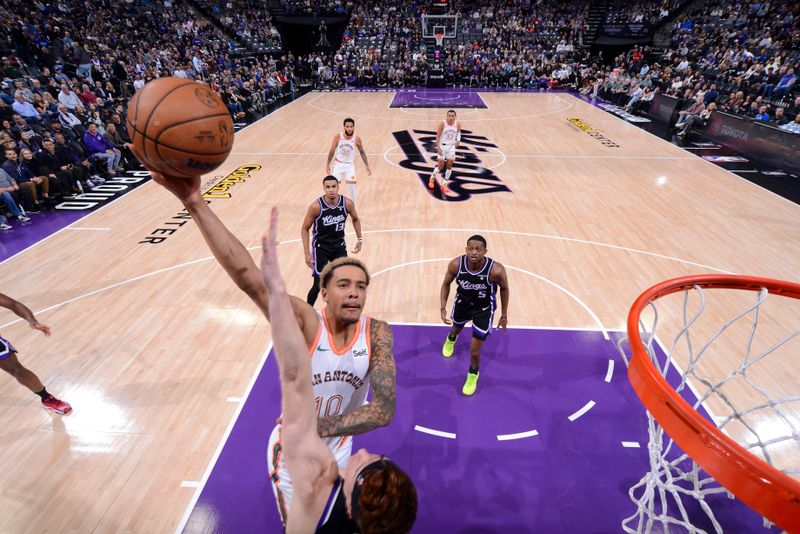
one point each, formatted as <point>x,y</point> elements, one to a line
<point>343,285</point>
<point>343,156</point>
<point>448,138</point>
<point>369,493</point>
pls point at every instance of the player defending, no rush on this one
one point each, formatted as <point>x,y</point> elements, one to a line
<point>448,138</point>
<point>477,278</point>
<point>327,216</point>
<point>11,365</point>
<point>370,493</point>
<point>343,148</point>
<point>348,352</point>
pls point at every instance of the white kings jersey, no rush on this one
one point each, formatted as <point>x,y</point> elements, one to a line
<point>339,374</point>
<point>346,149</point>
<point>449,134</point>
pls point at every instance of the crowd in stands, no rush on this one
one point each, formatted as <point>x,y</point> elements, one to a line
<point>68,72</point>
<point>516,43</point>
<point>739,58</point>
<point>250,21</point>
<point>317,8</point>
<point>641,12</point>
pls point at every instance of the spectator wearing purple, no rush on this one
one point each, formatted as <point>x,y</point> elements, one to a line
<point>100,147</point>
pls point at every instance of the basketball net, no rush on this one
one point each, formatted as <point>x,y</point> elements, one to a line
<point>750,451</point>
<point>439,39</point>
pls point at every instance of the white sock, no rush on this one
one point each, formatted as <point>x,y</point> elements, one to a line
<point>352,189</point>
<point>447,174</point>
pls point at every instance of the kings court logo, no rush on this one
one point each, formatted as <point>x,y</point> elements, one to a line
<point>469,176</point>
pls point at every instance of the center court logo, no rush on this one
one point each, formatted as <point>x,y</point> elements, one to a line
<point>469,177</point>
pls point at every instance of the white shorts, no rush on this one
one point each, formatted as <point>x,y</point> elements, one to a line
<point>345,172</point>
<point>340,447</point>
<point>449,152</point>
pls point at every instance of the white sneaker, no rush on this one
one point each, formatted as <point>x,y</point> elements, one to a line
<point>89,184</point>
<point>23,218</point>
<point>5,226</point>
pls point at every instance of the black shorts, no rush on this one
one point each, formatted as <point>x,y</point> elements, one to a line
<point>481,317</point>
<point>320,256</point>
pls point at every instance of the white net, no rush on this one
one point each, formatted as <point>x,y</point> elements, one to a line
<point>741,377</point>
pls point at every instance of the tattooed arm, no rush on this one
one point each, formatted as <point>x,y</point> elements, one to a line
<point>380,410</point>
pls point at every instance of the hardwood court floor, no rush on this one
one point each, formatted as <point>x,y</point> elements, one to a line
<point>154,346</point>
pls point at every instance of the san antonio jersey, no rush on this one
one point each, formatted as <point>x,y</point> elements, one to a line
<point>474,288</point>
<point>339,374</point>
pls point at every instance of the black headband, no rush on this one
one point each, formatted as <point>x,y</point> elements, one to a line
<point>377,465</point>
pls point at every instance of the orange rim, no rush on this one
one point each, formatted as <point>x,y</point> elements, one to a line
<point>771,493</point>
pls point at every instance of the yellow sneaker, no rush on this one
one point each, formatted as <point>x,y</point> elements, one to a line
<point>431,182</point>
<point>471,384</point>
<point>445,189</point>
<point>447,349</point>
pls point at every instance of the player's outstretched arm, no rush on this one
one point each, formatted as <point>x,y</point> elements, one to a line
<point>227,249</point>
<point>24,312</point>
<point>309,462</point>
<point>380,410</point>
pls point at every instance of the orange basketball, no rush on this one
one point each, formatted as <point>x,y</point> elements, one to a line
<point>179,127</point>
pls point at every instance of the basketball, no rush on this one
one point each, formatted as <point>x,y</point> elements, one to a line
<point>179,127</point>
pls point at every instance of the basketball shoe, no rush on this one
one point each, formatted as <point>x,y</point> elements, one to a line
<point>432,181</point>
<point>58,406</point>
<point>447,349</point>
<point>471,384</point>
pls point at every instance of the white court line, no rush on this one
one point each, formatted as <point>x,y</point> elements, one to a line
<point>215,457</point>
<point>631,444</point>
<point>519,435</point>
<point>525,327</point>
<point>573,296</point>
<point>434,432</point>
<point>234,399</point>
<point>190,484</point>
<point>586,407</point>
<point>610,371</point>
<point>85,228</point>
<point>407,230</point>
<point>569,293</point>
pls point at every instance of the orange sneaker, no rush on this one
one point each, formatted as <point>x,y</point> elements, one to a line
<point>445,189</point>
<point>431,183</point>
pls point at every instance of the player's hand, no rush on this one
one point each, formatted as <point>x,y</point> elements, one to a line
<point>181,187</point>
<point>369,171</point>
<point>41,327</point>
<point>357,248</point>
<point>270,270</point>
<point>328,169</point>
<point>309,260</point>
<point>502,323</point>
<point>445,318</point>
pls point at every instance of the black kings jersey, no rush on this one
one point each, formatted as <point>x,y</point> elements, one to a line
<point>474,288</point>
<point>328,229</point>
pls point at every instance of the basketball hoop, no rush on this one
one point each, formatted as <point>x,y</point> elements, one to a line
<point>711,461</point>
<point>439,38</point>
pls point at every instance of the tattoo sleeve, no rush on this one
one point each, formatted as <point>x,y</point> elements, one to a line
<point>380,410</point>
